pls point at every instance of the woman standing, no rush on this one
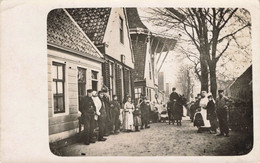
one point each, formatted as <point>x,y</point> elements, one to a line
<point>128,115</point>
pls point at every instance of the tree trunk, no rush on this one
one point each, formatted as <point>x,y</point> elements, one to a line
<point>213,79</point>
<point>204,71</point>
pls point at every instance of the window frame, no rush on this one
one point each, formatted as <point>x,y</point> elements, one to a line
<point>121,30</point>
<point>93,79</point>
<point>57,95</point>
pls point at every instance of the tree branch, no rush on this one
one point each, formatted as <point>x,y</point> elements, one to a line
<point>217,58</point>
<point>233,33</point>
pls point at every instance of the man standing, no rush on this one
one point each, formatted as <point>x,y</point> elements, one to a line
<point>221,105</point>
<point>192,109</point>
<point>88,112</point>
<point>145,110</point>
<point>108,112</point>
<point>115,111</point>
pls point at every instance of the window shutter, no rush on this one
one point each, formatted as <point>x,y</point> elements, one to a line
<point>118,83</point>
<point>126,81</point>
<point>106,74</point>
<point>132,83</point>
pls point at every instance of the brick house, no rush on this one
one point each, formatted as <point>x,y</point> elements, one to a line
<point>108,29</point>
<point>148,49</point>
<point>74,65</point>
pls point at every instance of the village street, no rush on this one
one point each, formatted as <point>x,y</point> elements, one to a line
<point>161,139</point>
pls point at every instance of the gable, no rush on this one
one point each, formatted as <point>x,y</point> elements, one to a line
<point>114,47</point>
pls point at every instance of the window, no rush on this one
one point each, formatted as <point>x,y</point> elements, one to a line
<point>111,78</point>
<point>81,83</point>
<point>121,29</point>
<point>94,76</point>
<point>58,87</point>
<point>150,71</point>
<point>138,92</point>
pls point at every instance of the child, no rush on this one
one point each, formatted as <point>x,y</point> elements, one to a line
<point>137,118</point>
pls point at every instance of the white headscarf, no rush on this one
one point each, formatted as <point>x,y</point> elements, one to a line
<point>97,103</point>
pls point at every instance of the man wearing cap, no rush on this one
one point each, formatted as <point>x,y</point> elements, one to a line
<point>88,112</point>
<point>221,105</point>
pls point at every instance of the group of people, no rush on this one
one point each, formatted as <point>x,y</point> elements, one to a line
<point>110,116</point>
<point>207,114</point>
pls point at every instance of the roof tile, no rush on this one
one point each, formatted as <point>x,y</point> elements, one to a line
<point>93,21</point>
<point>63,32</point>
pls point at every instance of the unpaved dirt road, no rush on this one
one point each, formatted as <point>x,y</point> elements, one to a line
<point>163,139</point>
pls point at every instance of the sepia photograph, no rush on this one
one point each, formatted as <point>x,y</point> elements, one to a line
<point>149,81</point>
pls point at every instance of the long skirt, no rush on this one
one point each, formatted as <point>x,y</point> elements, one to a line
<point>204,116</point>
<point>128,121</point>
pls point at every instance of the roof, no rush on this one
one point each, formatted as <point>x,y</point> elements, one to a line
<point>244,79</point>
<point>134,19</point>
<point>63,32</point>
<point>93,21</point>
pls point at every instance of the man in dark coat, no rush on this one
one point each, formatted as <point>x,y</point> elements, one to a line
<point>108,112</point>
<point>145,111</point>
<point>115,111</point>
<point>174,95</point>
<point>102,118</point>
<point>192,110</point>
<point>221,104</point>
<point>211,115</point>
<point>88,111</point>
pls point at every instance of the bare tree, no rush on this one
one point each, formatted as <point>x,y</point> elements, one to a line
<point>210,30</point>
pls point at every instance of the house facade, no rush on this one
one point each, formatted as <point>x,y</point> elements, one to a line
<point>241,88</point>
<point>74,65</point>
<point>108,29</point>
<point>149,48</point>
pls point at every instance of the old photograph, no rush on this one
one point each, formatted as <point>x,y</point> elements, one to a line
<point>154,81</point>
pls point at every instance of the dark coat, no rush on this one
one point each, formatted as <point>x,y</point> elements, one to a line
<point>211,110</point>
<point>88,106</point>
<point>198,121</point>
<point>145,109</point>
<point>115,107</point>
<point>102,109</point>
<point>107,107</point>
<point>174,96</point>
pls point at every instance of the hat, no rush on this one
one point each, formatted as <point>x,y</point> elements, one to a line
<point>198,94</point>
<point>220,91</point>
<point>173,89</point>
<point>104,89</point>
<point>89,90</point>
<point>209,96</point>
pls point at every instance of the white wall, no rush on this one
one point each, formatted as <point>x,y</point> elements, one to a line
<point>60,126</point>
<point>112,38</point>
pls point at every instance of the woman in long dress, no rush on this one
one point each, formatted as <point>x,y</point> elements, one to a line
<point>128,115</point>
<point>203,103</point>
